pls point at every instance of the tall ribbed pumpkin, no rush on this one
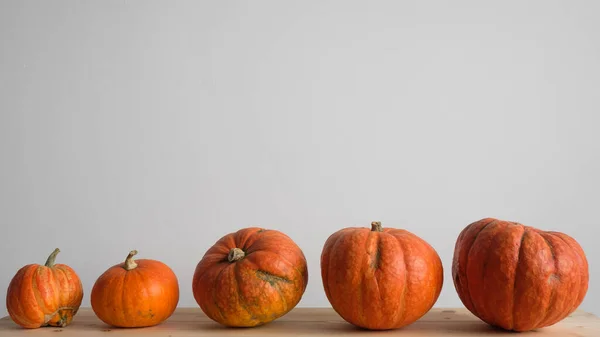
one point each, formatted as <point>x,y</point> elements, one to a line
<point>250,277</point>
<point>380,278</point>
<point>48,295</point>
<point>518,277</point>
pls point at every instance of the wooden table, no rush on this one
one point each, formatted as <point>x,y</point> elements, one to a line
<point>306,322</point>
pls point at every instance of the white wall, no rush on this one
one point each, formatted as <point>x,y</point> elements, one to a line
<point>162,126</point>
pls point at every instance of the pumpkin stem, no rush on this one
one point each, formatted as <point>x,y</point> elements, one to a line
<point>376,226</point>
<point>51,258</point>
<point>129,263</point>
<point>235,254</point>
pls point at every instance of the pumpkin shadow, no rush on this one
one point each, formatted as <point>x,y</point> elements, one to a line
<point>462,328</point>
<point>279,328</point>
<point>419,328</point>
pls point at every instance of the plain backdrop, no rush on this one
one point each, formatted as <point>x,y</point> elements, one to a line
<point>163,125</point>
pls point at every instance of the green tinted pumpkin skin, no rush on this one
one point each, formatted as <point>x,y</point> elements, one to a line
<point>250,278</point>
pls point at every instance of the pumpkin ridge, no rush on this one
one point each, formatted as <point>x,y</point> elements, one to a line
<point>491,316</point>
<point>56,287</point>
<point>21,312</point>
<point>60,283</point>
<point>376,277</point>
<point>330,250</point>
<point>363,269</point>
<point>36,292</point>
<point>578,267</point>
<point>50,274</point>
<point>403,316</point>
<point>276,284</point>
<point>241,296</point>
<point>24,317</point>
<point>361,307</point>
<point>123,297</point>
<point>377,259</point>
<point>214,293</point>
<point>283,298</point>
<point>377,272</point>
<point>142,279</point>
<point>361,288</point>
<point>467,262</point>
<point>516,271</point>
<point>461,283</point>
<point>69,299</point>
<point>242,237</point>
<point>543,322</point>
<point>552,252</point>
<point>253,238</point>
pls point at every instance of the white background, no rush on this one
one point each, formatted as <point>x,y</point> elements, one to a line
<point>162,126</point>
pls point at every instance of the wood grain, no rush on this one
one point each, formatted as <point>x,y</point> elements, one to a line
<point>306,322</point>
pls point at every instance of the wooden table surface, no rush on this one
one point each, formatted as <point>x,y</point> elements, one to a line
<point>306,322</point>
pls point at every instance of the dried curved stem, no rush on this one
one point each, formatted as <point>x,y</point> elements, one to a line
<point>376,226</point>
<point>235,254</point>
<point>51,258</point>
<point>129,262</point>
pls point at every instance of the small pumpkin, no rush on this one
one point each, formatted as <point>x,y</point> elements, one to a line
<point>380,278</point>
<point>518,277</point>
<point>135,294</point>
<point>250,277</point>
<point>48,295</point>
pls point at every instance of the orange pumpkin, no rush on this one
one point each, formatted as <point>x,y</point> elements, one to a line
<point>250,277</point>
<point>518,277</point>
<point>47,295</point>
<point>135,294</point>
<point>380,278</point>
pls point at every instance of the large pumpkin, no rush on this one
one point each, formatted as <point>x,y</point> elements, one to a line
<point>250,277</point>
<point>380,278</point>
<point>47,295</point>
<point>135,294</point>
<point>518,277</point>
